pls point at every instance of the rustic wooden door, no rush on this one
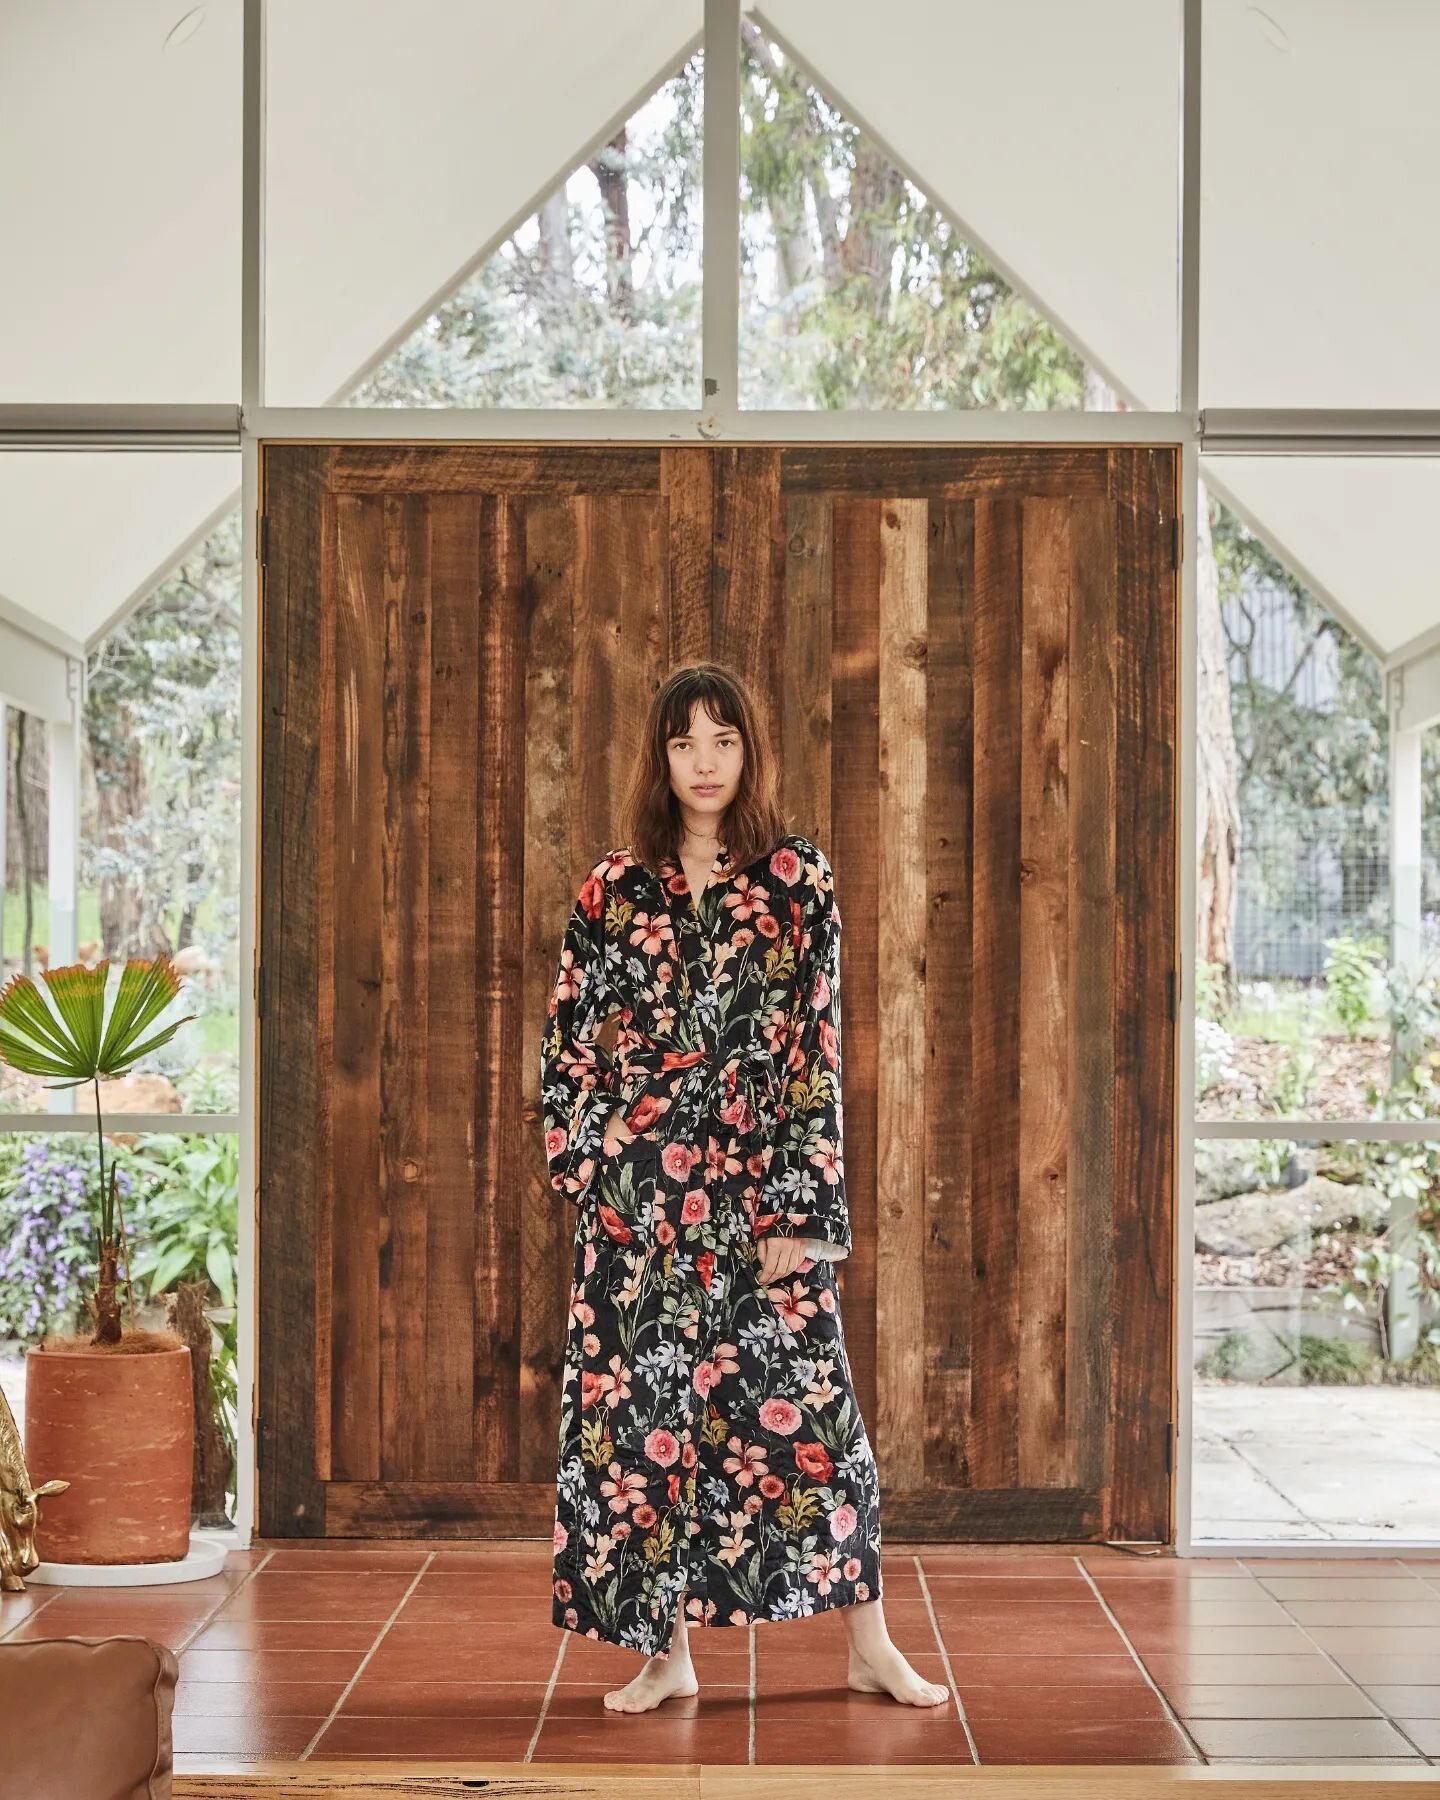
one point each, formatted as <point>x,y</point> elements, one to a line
<point>968,657</point>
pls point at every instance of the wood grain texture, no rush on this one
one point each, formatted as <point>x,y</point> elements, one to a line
<point>994,1021</point>
<point>949,1087</point>
<point>899,1433</point>
<point>1045,844</point>
<point>1143,484</point>
<point>966,658</point>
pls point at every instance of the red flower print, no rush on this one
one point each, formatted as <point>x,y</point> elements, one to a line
<point>772,1487</point>
<point>814,1460</point>
<point>785,866</point>
<point>672,1488</point>
<point>677,1160</point>
<point>662,1447</point>
<point>591,1388</point>
<point>563,1591</point>
<point>645,1516</point>
<point>615,1227</point>
<point>695,1207</point>
<point>705,1268</point>
<point>592,896</point>
<point>780,1415</point>
<point>643,1114</point>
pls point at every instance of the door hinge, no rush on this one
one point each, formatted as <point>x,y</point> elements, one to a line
<point>1169,1446</point>
<point>1177,542</point>
<point>260,991</point>
<point>1171,994</point>
<point>259,1444</point>
<point>262,539</point>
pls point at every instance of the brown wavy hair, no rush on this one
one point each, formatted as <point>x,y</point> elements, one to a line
<point>754,822</point>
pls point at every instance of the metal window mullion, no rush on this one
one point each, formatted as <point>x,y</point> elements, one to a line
<point>1188,219</point>
<point>252,209</point>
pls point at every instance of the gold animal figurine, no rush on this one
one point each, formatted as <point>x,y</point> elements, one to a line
<point>19,1511</point>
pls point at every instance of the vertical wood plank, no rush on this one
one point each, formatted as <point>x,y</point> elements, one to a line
<point>1089,1323</point>
<point>460,525</point>
<point>900,1063</point>
<point>995,1023</point>
<point>499,960</point>
<point>1044,1015</point>
<point>748,573</point>
<point>949,1106</point>
<point>687,484</point>
<point>1143,487</point>
<point>552,881</point>
<point>805,725</point>
<point>354,850</point>
<point>854,835</point>
<point>293,1428</point>
<point>404,995</point>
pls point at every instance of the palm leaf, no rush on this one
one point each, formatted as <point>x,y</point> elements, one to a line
<point>146,989</point>
<point>69,1037</point>
<point>29,1027</point>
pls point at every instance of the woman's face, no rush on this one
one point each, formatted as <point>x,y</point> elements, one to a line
<point>705,764</point>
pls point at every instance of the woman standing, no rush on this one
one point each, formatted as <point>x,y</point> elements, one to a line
<point>714,1468</point>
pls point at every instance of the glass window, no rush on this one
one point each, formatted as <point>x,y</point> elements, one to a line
<point>1316,1381</point>
<point>432,241</point>
<point>915,231</point>
<point>1319,961</point>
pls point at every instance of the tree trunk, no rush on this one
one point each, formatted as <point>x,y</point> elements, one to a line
<point>610,169</point>
<point>119,801</point>
<point>185,1315</point>
<point>1217,768</point>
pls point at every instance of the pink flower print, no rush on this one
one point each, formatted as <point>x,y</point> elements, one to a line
<point>772,1487</point>
<point>842,1522</point>
<point>677,1160</point>
<point>827,1300</point>
<point>616,1385</point>
<point>720,1163</point>
<point>822,1571</point>
<point>662,1447</point>
<point>785,866</point>
<point>793,1303</point>
<point>705,1377</point>
<point>555,1140</point>
<point>746,1462</point>
<point>820,997</point>
<point>562,1538</point>
<point>650,932</point>
<point>695,1208</point>
<point>748,898</point>
<point>726,1360</point>
<point>581,1311</point>
<point>852,1567</point>
<point>623,1490</point>
<point>780,1415</point>
<point>827,1159</point>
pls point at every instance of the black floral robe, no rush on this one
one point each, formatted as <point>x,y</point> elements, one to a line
<point>710,1439</point>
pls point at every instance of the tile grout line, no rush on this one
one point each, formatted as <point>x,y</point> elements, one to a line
<point>548,1695</point>
<point>25,1619</point>
<point>945,1658</point>
<point>238,1588</point>
<point>1139,1661</point>
<point>1348,1679</point>
<point>329,1720</point>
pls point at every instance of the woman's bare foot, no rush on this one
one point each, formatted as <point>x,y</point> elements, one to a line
<point>885,1671</point>
<point>661,1678</point>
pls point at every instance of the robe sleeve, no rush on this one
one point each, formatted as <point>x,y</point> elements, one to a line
<point>577,1079</point>
<point>804,1191</point>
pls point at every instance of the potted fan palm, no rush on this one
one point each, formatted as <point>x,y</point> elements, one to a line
<point>113,1413</point>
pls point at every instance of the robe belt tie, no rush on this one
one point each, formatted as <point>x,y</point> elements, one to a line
<point>750,1069</point>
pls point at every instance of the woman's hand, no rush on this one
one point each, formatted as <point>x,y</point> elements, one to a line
<point>779,1256</point>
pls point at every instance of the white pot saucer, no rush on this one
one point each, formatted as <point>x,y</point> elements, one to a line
<point>206,1559</point>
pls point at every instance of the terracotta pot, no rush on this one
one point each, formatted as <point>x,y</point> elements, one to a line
<point>121,1430</point>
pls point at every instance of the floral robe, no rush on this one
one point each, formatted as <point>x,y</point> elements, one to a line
<point>710,1439</point>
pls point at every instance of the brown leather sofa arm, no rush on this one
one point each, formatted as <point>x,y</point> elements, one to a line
<point>86,1719</point>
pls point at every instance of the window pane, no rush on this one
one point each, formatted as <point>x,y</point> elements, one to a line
<point>918,230</point>
<point>1319,857</point>
<point>120,206</point>
<point>1316,1398</point>
<point>1321,155</point>
<point>83,537</point>
<point>443,233</point>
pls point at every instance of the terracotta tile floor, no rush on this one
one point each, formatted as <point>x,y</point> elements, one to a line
<point>370,1650</point>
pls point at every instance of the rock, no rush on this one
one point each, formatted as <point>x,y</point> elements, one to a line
<point>1223,1169</point>
<point>1246,1223</point>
